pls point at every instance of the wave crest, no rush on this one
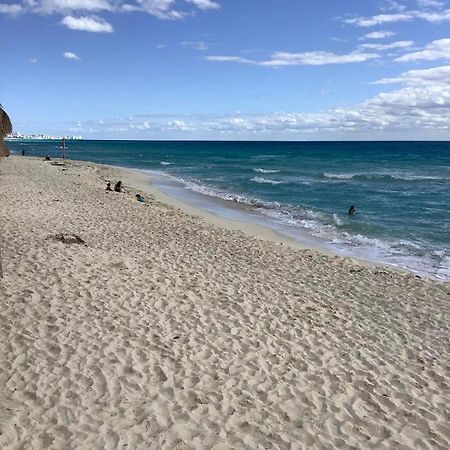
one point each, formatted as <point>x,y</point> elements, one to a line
<point>265,180</point>
<point>258,170</point>
<point>380,177</point>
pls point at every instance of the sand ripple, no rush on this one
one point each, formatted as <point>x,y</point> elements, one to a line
<point>165,332</point>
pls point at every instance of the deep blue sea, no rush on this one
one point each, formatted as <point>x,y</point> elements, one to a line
<point>401,190</point>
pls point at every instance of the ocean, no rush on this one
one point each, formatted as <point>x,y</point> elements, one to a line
<point>401,190</point>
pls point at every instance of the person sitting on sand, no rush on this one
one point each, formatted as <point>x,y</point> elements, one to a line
<point>108,187</point>
<point>352,210</point>
<point>118,186</point>
<point>47,158</point>
<point>139,198</point>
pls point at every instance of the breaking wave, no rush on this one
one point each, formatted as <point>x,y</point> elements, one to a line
<point>380,177</point>
<point>265,180</point>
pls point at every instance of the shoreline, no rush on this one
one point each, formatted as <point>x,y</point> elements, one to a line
<point>141,180</point>
<point>138,325</point>
<point>299,229</point>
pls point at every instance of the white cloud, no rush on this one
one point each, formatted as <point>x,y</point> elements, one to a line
<point>67,6</point>
<point>393,5</point>
<point>235,59</point>
<point>91,24</point>
<point>430,3</point>
<point>420,108</point>
<point>435,17</point>
<point>197,45</point>
<point>439,49</point>
<point>406,16</point>
<point>33,60</point>
<point>410,112</point>
<point>317,58</point>
<point>71,55</point>
<point>379,35</point>
<point>435,75</point>
<point>390,46</point>
<point>162,9</point>
<point>205,4</point>
<point>12,9</point>
<point>379,19</point>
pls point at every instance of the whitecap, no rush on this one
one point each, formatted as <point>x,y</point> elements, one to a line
<point>265,170</point>
<point>265,180</point>
<point>339,176</point>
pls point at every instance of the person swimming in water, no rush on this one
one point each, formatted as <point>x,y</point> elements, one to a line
<point>352,210</point>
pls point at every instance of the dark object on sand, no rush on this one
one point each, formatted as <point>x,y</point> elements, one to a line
<point>118,186</point>
<point>68,238</point>
<point>139,198</point>
<point>47,158</point>
<point>352,210</point>
<point>108,186</point>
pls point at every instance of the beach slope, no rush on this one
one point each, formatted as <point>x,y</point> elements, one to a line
<point>131,325</point>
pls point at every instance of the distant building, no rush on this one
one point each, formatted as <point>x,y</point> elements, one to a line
<point>40,137</point>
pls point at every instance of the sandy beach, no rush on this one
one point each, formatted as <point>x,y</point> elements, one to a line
<point>147,326</point>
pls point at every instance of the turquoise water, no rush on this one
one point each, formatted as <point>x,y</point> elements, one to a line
<point>401,190</point>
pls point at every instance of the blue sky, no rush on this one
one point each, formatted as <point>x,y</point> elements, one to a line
<point>227,69</point>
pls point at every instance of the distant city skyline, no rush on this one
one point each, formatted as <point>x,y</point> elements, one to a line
<point>41,136</point>
<point>227,70</point>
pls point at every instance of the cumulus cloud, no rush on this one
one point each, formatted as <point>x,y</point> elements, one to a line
<point>317,58</point>
<point>420,107</point>
<point>72,56</point>
<point>91,24</point>
<point>379,34</point>
<point>12,9</point>
<point>436,75</point>
<point>439,49</point>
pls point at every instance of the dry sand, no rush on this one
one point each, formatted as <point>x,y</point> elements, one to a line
<point>164,331</point>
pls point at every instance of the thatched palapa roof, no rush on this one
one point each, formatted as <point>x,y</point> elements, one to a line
<point>5,129</point>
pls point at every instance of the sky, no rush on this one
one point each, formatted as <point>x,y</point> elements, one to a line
<point>227,69</point>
